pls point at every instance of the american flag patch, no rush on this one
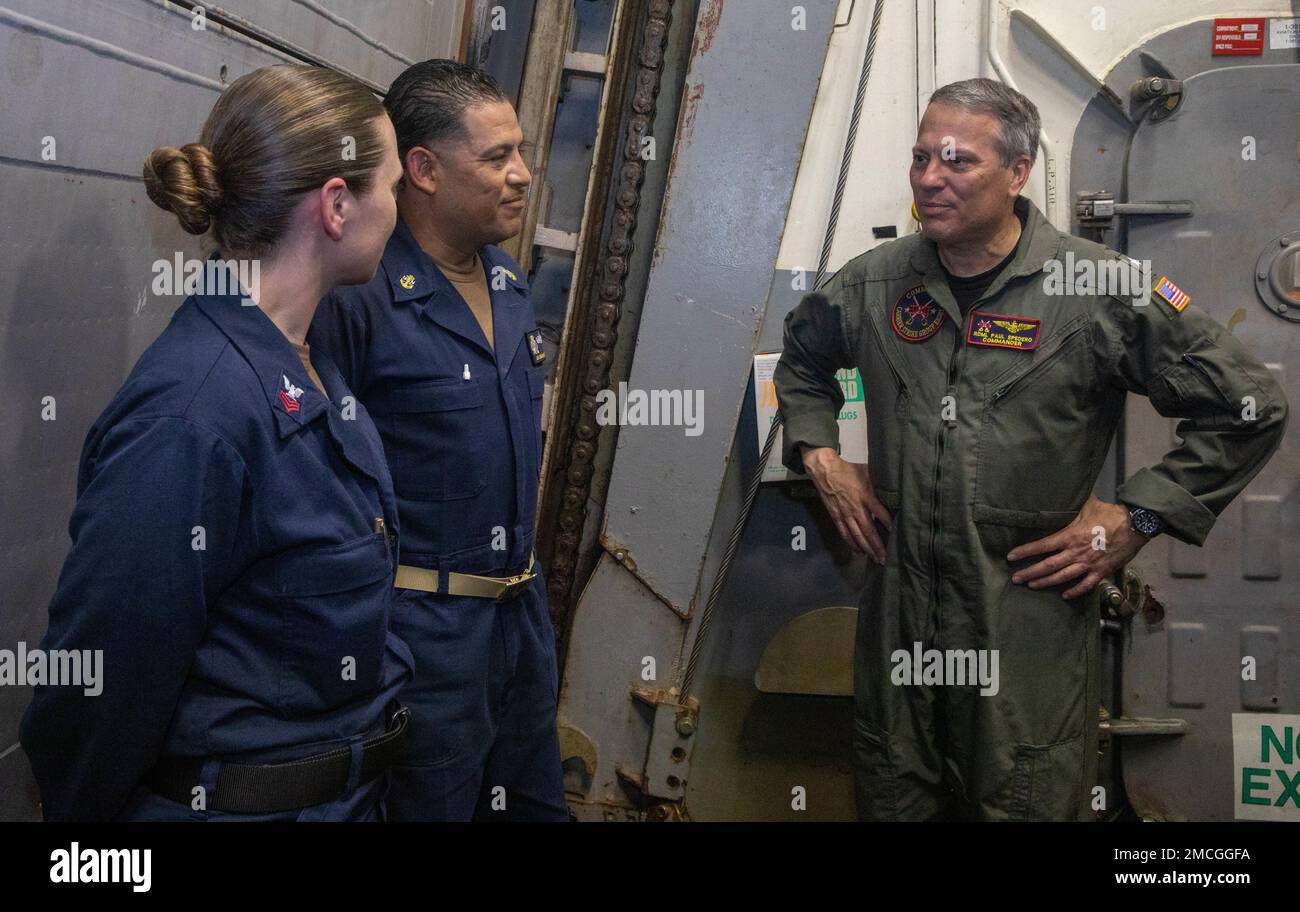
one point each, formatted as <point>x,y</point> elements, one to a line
<point>1176,297</point>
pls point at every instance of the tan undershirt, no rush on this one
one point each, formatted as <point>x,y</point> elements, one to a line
<point>473,287</point>
<point>304,352</point>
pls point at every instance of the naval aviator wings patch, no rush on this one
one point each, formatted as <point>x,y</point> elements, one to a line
<point>1003,331</point>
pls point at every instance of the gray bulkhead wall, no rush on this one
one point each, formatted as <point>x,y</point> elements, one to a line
<point>101,84</point>
<point>1220,604</point>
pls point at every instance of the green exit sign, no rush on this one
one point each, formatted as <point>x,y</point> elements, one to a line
<point>1266,766</point>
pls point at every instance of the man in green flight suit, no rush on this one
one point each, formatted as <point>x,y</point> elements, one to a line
<point>995,378</point>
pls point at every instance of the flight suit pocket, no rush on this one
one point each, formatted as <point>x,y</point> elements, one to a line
<point>1002,530</point>
<point>1198,387</point>
<point>889,499</point>
<point>436,439</point>
<point>333,604</point>
<point>875,774</point>
<point>886,453</point>
<point>1047,780</point>
<point>1035,448</point>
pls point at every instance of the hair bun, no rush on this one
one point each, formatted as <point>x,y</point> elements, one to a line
<point>184,181</point>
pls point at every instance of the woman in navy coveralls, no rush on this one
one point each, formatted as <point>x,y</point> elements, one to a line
<point>234,538</point>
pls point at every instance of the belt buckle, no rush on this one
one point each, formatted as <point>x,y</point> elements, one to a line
<point>514,586</point>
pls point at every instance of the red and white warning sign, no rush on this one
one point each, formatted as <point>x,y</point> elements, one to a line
<point>1238,37</point>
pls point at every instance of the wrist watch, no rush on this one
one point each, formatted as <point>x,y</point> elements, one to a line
<point>1146,523</point>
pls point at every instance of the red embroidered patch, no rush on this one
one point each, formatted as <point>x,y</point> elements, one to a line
<point>916,316</point>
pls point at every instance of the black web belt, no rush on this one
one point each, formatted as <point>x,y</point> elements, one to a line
<point>270,788</point>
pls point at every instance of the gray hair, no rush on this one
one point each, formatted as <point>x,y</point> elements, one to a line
<point>1017,116</point>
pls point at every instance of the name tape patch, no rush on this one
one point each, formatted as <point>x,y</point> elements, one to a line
<point>1002,331</point>
<point>535,348</point>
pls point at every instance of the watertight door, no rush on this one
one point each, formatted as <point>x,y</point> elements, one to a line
<point>1228,648</point>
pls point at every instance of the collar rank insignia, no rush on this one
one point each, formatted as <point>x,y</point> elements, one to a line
<point>916,317</point>
<point>1174,296</point>
<point>407,281</point>
<point>290,395</point>
<point>535,346</point>
<point>1001,331</point>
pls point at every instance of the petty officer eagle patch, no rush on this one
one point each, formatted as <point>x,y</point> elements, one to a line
<point>916,317</point>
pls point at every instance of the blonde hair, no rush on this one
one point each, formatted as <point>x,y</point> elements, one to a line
<point>274,135</point>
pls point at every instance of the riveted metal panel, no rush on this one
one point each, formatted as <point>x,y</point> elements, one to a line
<point>1188,652</point>
<point>1259,688</point>
<point>1261,534</point>
<point>1234,597</point>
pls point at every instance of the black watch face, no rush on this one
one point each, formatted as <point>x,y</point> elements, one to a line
<point>1145,522</point>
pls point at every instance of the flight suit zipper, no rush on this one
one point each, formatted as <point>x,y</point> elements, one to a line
<point>941,445</point>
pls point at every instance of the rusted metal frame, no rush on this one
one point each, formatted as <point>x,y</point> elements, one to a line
<point>591,331</point>
<point>548,43</point>
<point>474,34</point>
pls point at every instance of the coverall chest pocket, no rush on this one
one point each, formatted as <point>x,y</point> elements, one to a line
<point>333,605</point>
<point>435,439</point>
<point>1034,447</point>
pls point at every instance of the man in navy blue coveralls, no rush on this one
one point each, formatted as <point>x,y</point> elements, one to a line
<point>443,349</point>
